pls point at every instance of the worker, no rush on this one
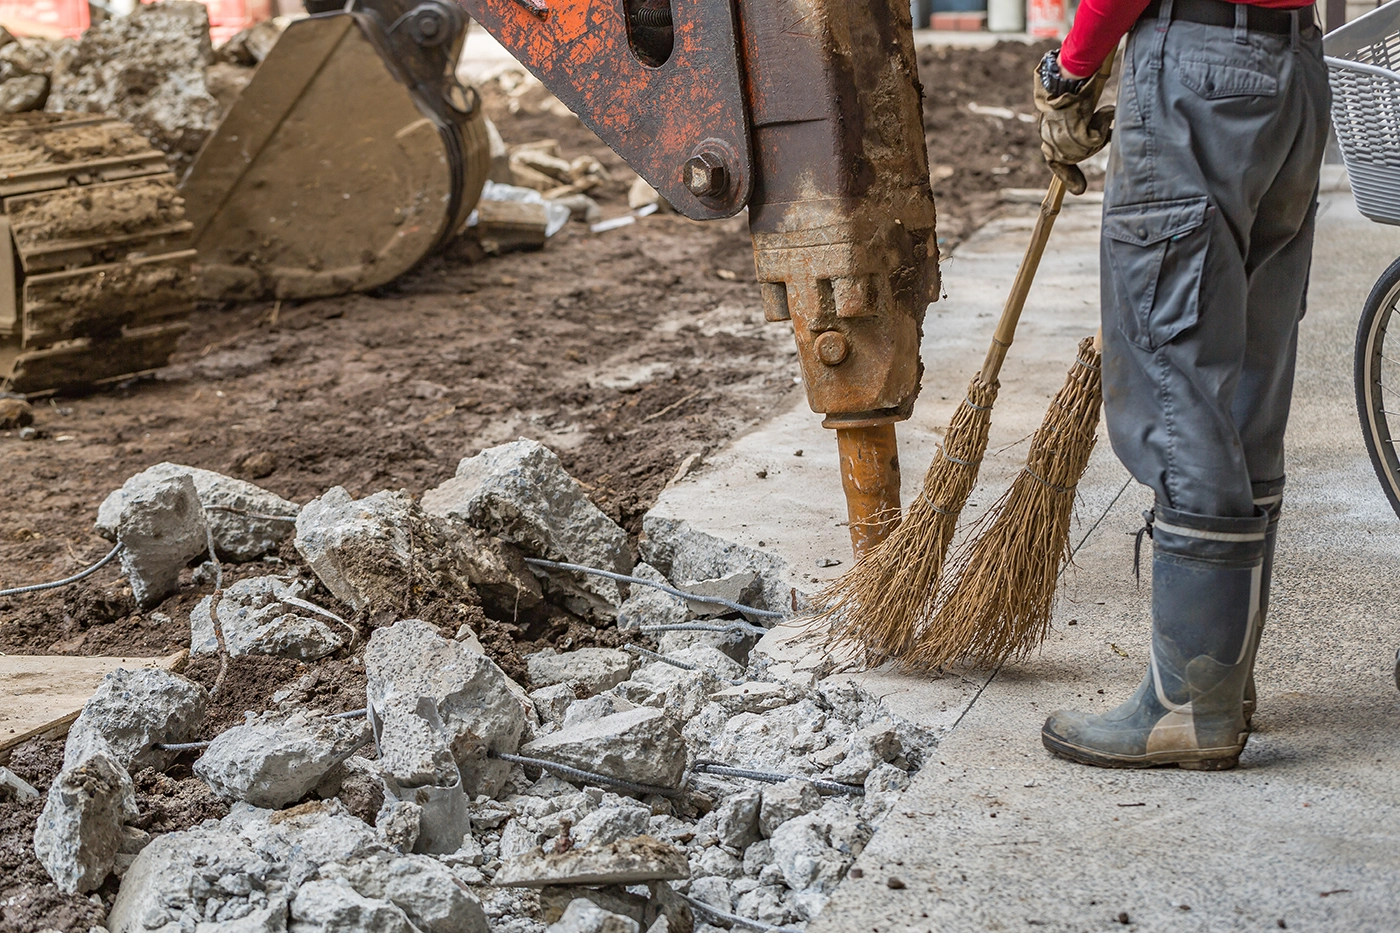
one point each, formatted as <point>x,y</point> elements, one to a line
<point>1208,216</point>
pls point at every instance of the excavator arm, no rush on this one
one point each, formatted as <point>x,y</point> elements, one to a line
<point>807,112</point>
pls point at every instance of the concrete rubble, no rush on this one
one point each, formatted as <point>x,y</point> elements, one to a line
<point>521,493</point>
<point>146,68</point>
<point>433,829</point>
<point>160,527</point>
<point>271,762</point>
<point>247,520</point>
<point>133,711</point>
<point>267,615</point>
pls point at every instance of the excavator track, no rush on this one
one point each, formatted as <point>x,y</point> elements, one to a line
<point>97,284</point>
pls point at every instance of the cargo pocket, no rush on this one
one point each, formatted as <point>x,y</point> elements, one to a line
<point>1217,80</point>
<point>1157,254</point>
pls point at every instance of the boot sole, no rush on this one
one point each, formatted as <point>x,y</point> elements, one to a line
<point>1204,759</point>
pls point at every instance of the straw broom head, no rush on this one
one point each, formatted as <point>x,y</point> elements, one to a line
<point>878,606</point>
<point>1006,574</point>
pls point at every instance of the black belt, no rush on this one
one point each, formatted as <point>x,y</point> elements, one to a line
<point>1222,13</point>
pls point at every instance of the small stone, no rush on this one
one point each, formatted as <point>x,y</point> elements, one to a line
<point>737,824</point>
<point>715,861</point>
<point>895,884</point>
<point>713,891</point>
<point>521,493</point>
<point>400,823</point>
<point>240,514</point>
<point>814,850</point>
<point>787,801</point>
<point>80,830</point>
<point>642,194</point>
<point>271,763</point>
<point>764,903</point>
<point>161,529</point>
<point>428,692</point>
<point>135,710</point>
<point>757,857</point>
<point>627,861</point>
<point>581,208</point>
<point>643,746</point>
<point>29,434</point>
<point>14,412</point>
<point>583,916</point>
<point>552,703</point>
<point>609,824</point>
<point>684,553</point>
<point>593,669</point>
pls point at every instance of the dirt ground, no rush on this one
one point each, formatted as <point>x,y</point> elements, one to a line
<point>626,352</point>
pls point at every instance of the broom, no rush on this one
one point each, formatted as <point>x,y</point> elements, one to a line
<point>880,605</point>
<point>1001,602</point>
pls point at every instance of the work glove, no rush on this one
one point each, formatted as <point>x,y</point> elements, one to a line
<point>1071,130</point>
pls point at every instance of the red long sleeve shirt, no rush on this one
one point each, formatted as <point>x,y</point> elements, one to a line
<point>1099,25</point>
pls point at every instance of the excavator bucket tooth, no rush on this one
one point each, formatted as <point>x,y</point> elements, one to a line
<point>351,155</point>
<point>95,264</point>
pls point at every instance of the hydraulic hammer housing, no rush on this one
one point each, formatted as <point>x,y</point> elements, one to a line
<point>808,113</point>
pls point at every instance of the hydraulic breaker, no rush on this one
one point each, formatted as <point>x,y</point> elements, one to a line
<point>807,112</point>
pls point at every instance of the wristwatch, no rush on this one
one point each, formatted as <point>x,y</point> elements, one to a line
<point>1056,84</point>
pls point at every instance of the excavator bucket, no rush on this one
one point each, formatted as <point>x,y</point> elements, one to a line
<point>351,155</point>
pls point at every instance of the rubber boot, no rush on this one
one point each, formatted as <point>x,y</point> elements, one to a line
<point>1268,497</point>
<point>1188,711</point>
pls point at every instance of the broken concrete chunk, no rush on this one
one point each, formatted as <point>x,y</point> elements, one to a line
<point>301,839</point>
<point>743,586</point>
<point>552,703</point>
<point>366,551</point>
<point>641,745</point>
<point>169,877</point>
<point>583,916</point>
<point>266,615</point>
<point>610,823</point>
<point>593,669</point>
<point>134,710</point>
<point>814,850</point>
<point>423,888</point>
<point>332,907</point>
<point>684,553</point>
<point>778,740</point>
<point>521,492</point>
<point>627,861</point>
<point>146,68</point>
<point>233,508</point>
<point>23,93</point>
<point>787,801</point>
<point>80,830</point>
<point>498,572</point>
<point>646,605</point>
<point>271,763</point>
<point>867,750</point>
<point>161,529</point>
<point>604,704</point>
<point>456,693</point>
<point>737,824</point>
<point>15,788</point>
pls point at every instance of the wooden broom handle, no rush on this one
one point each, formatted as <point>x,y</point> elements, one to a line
<point>1040,235</point>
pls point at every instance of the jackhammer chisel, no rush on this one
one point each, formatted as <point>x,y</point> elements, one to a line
<point>807,112</point>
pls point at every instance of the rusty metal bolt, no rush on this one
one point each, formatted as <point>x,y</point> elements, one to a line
<point>705,175</point>
<point>832,347</point>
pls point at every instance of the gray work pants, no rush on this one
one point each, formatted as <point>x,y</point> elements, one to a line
<point>1207,239</point>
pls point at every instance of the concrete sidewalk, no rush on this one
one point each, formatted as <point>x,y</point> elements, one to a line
<point>998,835</point>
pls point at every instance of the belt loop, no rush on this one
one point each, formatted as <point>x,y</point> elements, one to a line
<point>1164,21</point>
<point>1241,24</point>
<point>1295,29</point>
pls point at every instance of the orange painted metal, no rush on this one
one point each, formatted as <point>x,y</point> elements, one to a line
<point>820,115</point>
<point>870,477</point>
<point>655,117</point>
